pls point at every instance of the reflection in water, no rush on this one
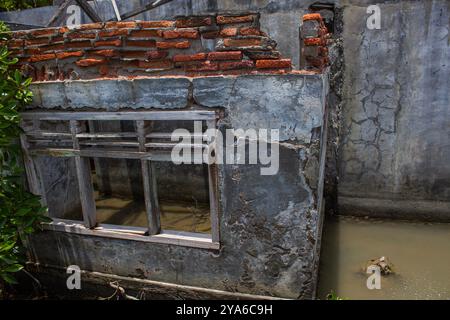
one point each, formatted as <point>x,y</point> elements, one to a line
<point>418,251</point>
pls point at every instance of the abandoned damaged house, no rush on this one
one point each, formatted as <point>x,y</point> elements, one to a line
<point>107,96</point>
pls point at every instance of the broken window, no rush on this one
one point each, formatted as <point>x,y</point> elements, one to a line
<point>112,174</point>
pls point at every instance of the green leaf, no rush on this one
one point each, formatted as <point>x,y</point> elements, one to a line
<point>7,260</point>
<point>23,211</point>
<point>7,246</point>
<point>20,211</point>
<point>8,278</point>
<point>13,268</point>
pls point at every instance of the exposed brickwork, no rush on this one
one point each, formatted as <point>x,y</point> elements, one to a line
<point>314,36</point>
<point>273,64</point>
<point>137,48</point>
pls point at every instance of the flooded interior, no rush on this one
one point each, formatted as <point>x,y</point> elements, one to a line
<point>120,200</point>
<point>418,251</point>
<point>182,190</point>
<point>180,216</point>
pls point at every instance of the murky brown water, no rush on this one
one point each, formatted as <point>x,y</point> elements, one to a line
<point>420,253</point>
<point>178,216</point>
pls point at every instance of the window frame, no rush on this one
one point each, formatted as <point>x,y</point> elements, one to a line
<point>145,154</point>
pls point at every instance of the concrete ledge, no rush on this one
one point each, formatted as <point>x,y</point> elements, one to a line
<point>56,276</point>
<point>112,95</point>
<point>424,210</point>
<point>291,103</point>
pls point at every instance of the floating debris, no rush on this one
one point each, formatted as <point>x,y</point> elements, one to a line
<point>386,267</point>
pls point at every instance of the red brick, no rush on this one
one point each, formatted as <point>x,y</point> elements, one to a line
<point>78,44</point>
<point>314,42</point>
<point>156,24</point>
<point>63,30</point>
<point>113,33</point>
<point>121,24</point>
<point>323,51</point>
<point>241,42</point>
<point>225,55</point>
<point>141,43</point>
<point>173,45</point>
<point>236,65</point>
<point>190,22</point>
<point>65,55</point>
<point>318,62</point>
<point>189,57</point>
<point>15,43</point>
<point>52,47</point>
<point>262,55</point>
<point>145,33</point>
<point>104,53</point>
<point>33,51</point>
<point>202,66</point>
<point>323,32</point>
<point>228,32</point>
<point>163,64</point>
<point>273,64</point>
<point>234,19</point>
<point>81,35</point>
<point>89,26</point>
<point>20,34</point>
<point>24,60</point>
<point>89,62</point>
<point>43,32</point>
<point>312,16</point>
<point>181,33</point>
<point>57,39</point>
<point>249,31</point>
<point>103,70</point>
<point>134,54</point>
<point>16,52</point>
<point>210,34</point>
<point>108,43</point>
<point>155,55</point>
<point>43,57</point>
<point>37,41</point>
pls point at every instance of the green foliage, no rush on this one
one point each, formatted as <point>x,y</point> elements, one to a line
<point>10,5</point>
<point>334,296</point>
<point>20,211</point>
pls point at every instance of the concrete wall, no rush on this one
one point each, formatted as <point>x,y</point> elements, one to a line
<point>390,97</point>
<point>395,135</point>
<point>270,226</point>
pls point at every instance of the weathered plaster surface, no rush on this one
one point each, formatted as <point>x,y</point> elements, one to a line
<point>110,95</point>
<point>395,98</point>
<point>269,225</point>
<point>266,102</point>
<point>276,102</point>
<point>396,114</point>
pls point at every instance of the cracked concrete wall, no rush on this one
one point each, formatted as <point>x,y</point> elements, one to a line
<point>270,226</point>
<point>395,136</point>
